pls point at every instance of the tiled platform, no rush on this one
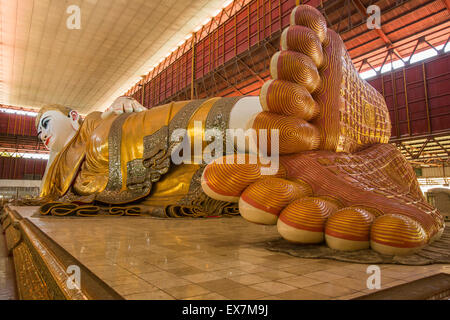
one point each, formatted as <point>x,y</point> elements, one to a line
<point>146,258</point>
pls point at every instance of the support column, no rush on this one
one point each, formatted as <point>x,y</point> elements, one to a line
<point>193,66</point>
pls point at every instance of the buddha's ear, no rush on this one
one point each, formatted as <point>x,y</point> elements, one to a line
<point>74,116</point>
<point>74,119</point>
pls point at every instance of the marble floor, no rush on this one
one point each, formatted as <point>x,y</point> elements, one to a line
<point>217,258</point>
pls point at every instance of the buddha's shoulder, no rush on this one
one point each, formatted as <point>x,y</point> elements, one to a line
<point>96,115</point>
<point>90,122</point>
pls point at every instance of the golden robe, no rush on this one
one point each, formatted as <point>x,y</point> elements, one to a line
<point>127,157</point>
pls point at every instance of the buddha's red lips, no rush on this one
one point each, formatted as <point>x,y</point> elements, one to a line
<point>47,141</point>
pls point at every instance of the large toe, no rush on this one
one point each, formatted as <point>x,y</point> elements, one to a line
<point>263,200</point>
<point>303,221</point>
<point>394,234</point>
<point>225,178</point>
<point>348,229</point>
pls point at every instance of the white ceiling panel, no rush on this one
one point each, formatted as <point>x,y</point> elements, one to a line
<point>43,61</point>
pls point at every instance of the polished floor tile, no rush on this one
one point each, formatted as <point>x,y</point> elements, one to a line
<point>273,287</point>
<point>152,295</point>
<point>203,276</point>
<point>248,279</point>
<point>330,289</point>
<point>244,293</point>
<point>303,294</point>
<point>220,285</point>
<point>300,281</point>
<point>207,259</point>
<point>208,296</point>
<point>187,291</point>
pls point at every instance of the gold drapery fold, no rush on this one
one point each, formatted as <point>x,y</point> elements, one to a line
<point>66,164</point>
<point>127,157</point>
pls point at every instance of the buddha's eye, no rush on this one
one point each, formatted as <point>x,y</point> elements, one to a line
<point>45,123</point>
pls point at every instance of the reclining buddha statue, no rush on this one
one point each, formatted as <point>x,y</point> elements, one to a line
<point>337,179</point>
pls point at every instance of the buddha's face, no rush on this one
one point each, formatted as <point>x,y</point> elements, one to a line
<point>55,129</point>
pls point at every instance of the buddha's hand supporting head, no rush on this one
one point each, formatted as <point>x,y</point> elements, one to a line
<point>56,125</point>
<point>121,105</point>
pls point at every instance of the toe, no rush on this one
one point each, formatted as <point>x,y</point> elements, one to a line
<point>303,40</point>
<point>395,234</point>
<point>263,200</point>
<point>225,178</point>
<point>303,221</point>
<point>288,98</point>
<point>348,229</point>
<point>310,17</point>
<point>295,67</point>
<point>294,135</point>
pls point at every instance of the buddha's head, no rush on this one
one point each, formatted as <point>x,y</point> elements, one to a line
<point>56,125</point>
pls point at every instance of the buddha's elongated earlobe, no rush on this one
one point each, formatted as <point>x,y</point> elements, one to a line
<point>74,117</point>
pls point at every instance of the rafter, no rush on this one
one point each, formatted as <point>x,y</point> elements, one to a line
<point>363,10</point>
